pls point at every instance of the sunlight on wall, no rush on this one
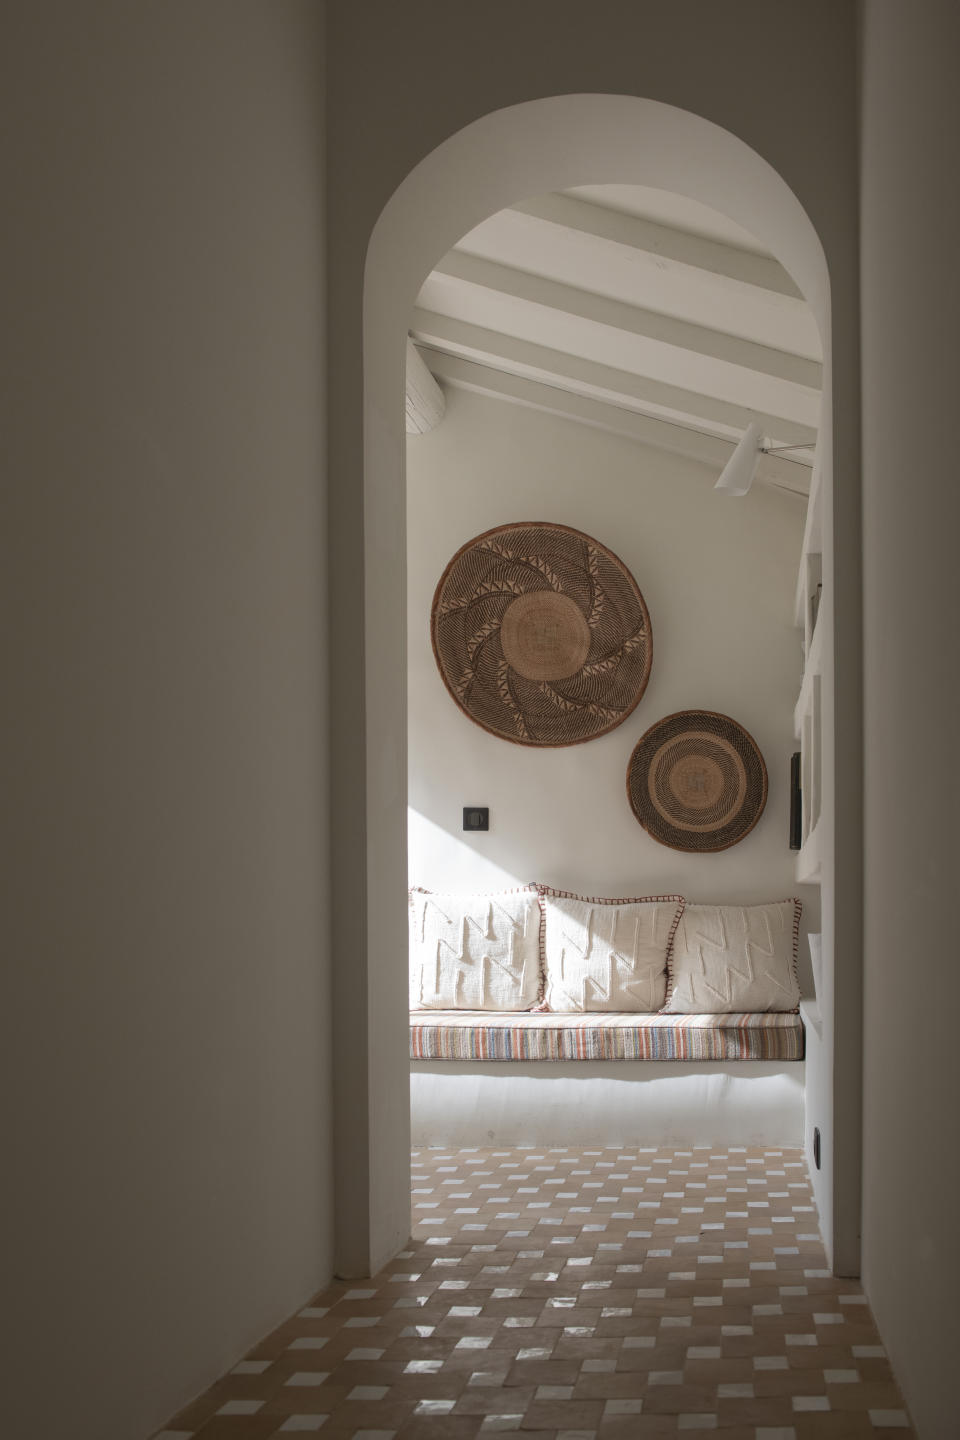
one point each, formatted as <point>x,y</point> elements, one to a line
<point>440,859</point>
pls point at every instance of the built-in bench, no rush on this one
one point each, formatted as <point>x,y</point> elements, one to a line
<point>508,1078</point>
<point>537,1059</point>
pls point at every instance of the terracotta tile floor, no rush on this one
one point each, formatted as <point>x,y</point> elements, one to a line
<point>567,1294</point>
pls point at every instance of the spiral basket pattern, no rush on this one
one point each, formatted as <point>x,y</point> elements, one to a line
<point>559,668</point>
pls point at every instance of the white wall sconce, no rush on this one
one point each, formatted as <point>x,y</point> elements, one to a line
<point>738,474</point>
<point>736,477</point>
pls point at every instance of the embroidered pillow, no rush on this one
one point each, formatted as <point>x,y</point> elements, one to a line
<point>607,954</point>
<point>735,958</point>
<point>474,952</point>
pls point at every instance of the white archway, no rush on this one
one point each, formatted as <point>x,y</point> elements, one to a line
<point>511,154</point>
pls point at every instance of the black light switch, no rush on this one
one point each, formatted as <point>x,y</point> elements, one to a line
<point>476,817</point>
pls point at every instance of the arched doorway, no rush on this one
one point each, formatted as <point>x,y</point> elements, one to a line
<point>531,148</point>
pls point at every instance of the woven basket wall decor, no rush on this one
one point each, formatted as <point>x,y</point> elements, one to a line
<point>696,781</point>
<point>541,634</point>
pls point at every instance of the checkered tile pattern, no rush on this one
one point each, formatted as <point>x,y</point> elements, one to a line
<point>568,1294</point>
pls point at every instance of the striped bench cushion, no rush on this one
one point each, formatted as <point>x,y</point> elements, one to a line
<point>485,1035</point>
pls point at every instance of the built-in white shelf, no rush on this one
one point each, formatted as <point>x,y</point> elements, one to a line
<point>807,716</point>
<point>812,545</point>
<point>813,667</point>
<point>811,1016</point>
<point>809,860</point>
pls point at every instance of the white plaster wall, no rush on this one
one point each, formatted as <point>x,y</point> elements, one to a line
<point>911,313</point>
<point>718,576</point>
<point>166,1013</point>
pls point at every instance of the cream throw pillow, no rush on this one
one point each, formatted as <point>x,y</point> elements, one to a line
<point>735,958</point>
<point>474,952</point>
<point>607,954</point>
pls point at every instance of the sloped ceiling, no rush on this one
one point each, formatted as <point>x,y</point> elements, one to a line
<point>635,310</point>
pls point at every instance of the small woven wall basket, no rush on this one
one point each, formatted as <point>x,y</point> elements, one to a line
<point>541,634</point>
<point>697,782</point>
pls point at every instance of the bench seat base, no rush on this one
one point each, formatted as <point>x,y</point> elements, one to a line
<point>612,1102</point>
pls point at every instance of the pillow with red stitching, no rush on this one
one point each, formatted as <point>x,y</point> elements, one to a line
<point>474,952</point>
<point>735,958</point>
<point>607,954</point>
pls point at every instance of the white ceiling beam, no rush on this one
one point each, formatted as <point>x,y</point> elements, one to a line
<point>425,399</point>
<point>653,238</point>
<point>617,315</point>
<point>490,347</point>
<point>791,476</point>
<point>647,279</point>
<point>619,349</point>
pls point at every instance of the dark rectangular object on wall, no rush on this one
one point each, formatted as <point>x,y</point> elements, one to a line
<point>796,803</point>
<point>476,817</point>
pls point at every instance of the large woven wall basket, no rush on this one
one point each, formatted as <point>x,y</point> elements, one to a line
<point>697,782</point>
<point>541,634</point>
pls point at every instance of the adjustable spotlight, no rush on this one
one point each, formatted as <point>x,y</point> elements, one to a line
<point>736,477</point>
